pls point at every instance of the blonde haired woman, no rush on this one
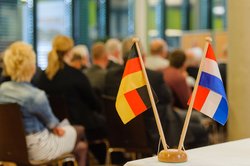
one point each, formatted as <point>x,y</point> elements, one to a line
<point>45,139</point>
<point>61,79</point>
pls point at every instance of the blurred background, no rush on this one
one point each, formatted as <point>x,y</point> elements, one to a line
<point>182,23</point>
<point>176,21</point>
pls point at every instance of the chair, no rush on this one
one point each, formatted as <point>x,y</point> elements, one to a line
<point>12,141</point>
<point>131,138</point>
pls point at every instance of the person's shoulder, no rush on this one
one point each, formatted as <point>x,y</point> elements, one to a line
<point>33,90</point>
<point>155,72</point>
<point>25,90</point>
<point>112,65</point>
<point>68,68</point>
<point>156,62</point>
<point>36,97</point>
<point>115,70</point>
<point>171,73</point>
<point>71,72</point>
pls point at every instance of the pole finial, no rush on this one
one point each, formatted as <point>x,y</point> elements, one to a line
<point>208,39</point>
<point>135,39</point>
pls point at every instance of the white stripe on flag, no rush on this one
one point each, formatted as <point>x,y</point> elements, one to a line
<point>211,104</point>
<point>211,67</point>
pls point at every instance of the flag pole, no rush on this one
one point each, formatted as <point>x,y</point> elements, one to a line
<point>157,119</point>
<point>190,108</point>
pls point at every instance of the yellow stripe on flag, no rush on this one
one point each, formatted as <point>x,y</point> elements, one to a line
<point>131,82</point>
<point>128,83</point>
<point>123,109</point>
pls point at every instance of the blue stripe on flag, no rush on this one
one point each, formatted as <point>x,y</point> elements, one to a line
<point>212,82</point>
<point>221,113</point>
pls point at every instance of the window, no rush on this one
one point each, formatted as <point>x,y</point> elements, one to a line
<point>10,22</point>
<point>92,24</point>
<point>28,21</point>
<point>121,13</point>
<point>50,24</point>
<point>219,14</point>
<point>194,17</point>
<point>173,13</point>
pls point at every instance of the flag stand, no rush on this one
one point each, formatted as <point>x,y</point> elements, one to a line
<point>166,155</point>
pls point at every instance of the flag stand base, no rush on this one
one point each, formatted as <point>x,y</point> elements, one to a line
<point>172,156</point>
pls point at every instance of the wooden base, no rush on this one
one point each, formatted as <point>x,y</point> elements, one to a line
<point>172,156</point>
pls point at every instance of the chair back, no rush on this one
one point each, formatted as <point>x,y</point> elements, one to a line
<point>59,106</point>
<point>12,140</point>
<point>131,136</point>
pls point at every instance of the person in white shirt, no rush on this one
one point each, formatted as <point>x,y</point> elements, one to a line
<point>159,52</point>
<point>114,47</point>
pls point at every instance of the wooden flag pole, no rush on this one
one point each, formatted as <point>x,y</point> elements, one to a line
<point>190,108</point>
<point>157,119</point>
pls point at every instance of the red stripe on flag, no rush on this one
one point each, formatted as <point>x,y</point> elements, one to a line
<point>200,98</point>
<point>135,102</point>
<point>210,53</point>
<point>133,65</point>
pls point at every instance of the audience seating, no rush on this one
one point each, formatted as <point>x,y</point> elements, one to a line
<point>61,110</point>
<point>12,141</point>
<point>130,138</point>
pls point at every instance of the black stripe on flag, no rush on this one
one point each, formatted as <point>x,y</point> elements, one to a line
<point>143,92</point>
<point>133,52</point>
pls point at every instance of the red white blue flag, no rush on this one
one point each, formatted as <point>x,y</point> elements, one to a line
<point>211,98</point>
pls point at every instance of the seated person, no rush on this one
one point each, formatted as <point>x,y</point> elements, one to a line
<point>175,78</point>
<point>97,72</point>
<point>159,54</point>
<point>63,80</point>
<point>45,139</point>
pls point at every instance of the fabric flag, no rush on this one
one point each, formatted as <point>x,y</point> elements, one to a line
<point>210,97</point>
<point>132,98</point>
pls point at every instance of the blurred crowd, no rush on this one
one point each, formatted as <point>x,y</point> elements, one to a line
<point>81,77</point>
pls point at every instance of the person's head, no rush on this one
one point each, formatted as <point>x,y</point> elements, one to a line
<point>159,47</point>
<point>80,57</point>
<point>113,47</point>
<point>99,55</point>
<point>177,59</point>
<point>20,62</point>
<point>126,47</point>
<point>60,53</point>
<point>194,56</point>
<point>76,61</point>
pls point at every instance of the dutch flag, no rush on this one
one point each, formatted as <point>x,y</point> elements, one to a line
<point>211,98</point>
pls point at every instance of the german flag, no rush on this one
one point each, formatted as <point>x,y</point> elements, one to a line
<point>132,98</point>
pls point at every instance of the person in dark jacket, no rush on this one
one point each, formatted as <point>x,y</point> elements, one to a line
<point>97,72</point>
<point>62,80</point>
